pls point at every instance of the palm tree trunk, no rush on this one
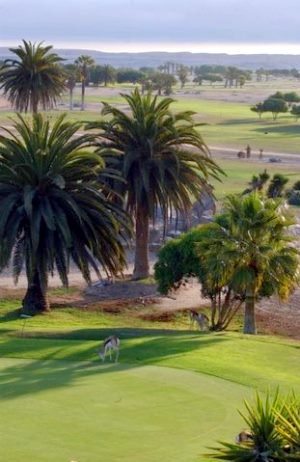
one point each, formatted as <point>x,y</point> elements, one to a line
<point>82,94</point>
<point>249,319</point>
<point>35,300</point>
<point>141,263</point>
<point>34,105</point>
<point>71,99</point>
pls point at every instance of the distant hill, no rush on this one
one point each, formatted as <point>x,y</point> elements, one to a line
<point>154,59</point>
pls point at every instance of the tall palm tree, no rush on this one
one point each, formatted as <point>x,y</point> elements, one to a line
<point>83,63</point>
<point>151,148</point>
<point>252,242</point>
<point>34,78</point>
<point>54,208</point>
<point>71,71</point>
<point>109,74</point>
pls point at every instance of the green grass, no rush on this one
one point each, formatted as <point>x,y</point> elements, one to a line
<point>64,318</point>
<point>170,397</point>
<point>239,173</point>
<point>270,361</point>
<point>227,123</point>
<point>58,410</point>
<point>173,394</point>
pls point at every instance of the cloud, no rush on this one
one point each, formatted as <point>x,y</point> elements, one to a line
<point>157,21</point>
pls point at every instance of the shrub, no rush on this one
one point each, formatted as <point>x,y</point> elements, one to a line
<point>297,186</point>
<point>272,435</point>
<point>294,198</point>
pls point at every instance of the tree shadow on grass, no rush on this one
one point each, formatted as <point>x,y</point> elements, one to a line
<point>95,333</point>
<point>287,130</point>
<point>80,360</point>
<point>11,315</point>
<point>235,122</point>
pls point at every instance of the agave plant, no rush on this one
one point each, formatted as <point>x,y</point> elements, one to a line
<point>289,427</point>
<point>267,443</point>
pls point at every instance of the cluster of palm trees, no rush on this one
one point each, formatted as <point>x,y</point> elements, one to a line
<point>35,77</point>
<point>68,195</point>
<point>245,254</point>
<point>73,193</point>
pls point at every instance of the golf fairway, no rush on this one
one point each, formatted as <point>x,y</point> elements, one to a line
<point>54,411</point>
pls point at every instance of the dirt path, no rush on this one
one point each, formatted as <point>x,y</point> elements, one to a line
<point>231,153</point>
<point>273,316</point>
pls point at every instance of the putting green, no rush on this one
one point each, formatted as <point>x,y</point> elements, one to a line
<point>54,411</point>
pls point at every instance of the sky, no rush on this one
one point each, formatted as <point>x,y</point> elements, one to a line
<point>232,26</point>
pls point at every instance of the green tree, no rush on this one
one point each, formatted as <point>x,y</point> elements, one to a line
<point>33,78</point>
<point>162,83</point>
<point>212,78</point>
<point>129,75</point>
<point>83,64</point>
<point>277,95</point>
<point>96,74</point>
<point>259,109</point>
<point>259,74</point>
<point>257,183</point>
<point>150,147</point>
<point>276,186</point>
<point>295,111</point>
<point>254,244</point>
<point>72,75</point>
<point>183,74</point>
<point>54,208</point>
<point>179,259</point>
<point>198,79</point>
<point>275,106</point>
<point>231,76</point>
<point>291,97</point>
<point>296,185</point>
<point>109,74</point>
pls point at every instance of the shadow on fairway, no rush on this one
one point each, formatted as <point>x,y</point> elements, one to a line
<point>100,334</point>
<point>64,362</point>
<point>235,122</point>
<point>287,130</point>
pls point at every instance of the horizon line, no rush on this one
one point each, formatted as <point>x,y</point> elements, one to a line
<point>165,47</point>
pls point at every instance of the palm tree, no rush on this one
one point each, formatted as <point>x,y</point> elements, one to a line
<point>252,241</point>
<point>71,84</point>
<point>183,73</point>
<point>71,76</point>
<point>34,78</point>
<point>277,184</point>
<point>109,74</point>
<point>53,207</point>
<point>83,63</point>
<point>257,183</point>
<point>150,147</point>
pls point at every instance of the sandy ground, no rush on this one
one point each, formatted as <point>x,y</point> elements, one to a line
<point>273,316</point>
